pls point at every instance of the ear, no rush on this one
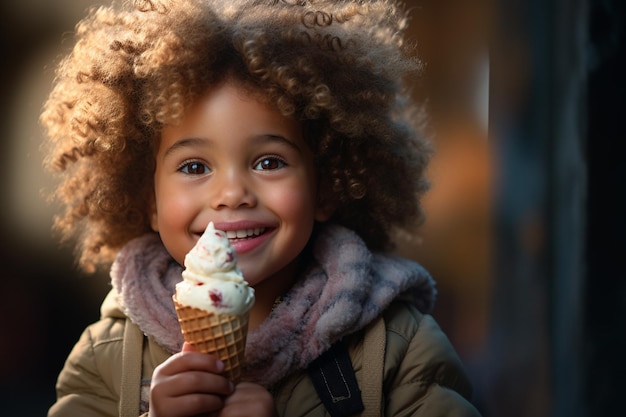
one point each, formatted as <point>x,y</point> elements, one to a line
<point>324,210</point>
<point>152,213</point>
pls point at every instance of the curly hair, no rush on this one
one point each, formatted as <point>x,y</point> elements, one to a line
<point>339,67</point>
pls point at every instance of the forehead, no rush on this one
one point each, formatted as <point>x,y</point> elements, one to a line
<point>229,112</point>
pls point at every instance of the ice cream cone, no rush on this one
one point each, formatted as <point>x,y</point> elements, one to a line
<point>222,335</point>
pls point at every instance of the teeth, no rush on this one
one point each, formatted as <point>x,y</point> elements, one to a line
<point>241,234</point>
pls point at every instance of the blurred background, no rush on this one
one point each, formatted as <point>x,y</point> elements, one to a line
<point>525,219</point>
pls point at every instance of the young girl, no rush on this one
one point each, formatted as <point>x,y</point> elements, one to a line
<point>285,123</point>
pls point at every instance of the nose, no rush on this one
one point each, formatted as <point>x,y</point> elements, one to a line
<point>232,189</point>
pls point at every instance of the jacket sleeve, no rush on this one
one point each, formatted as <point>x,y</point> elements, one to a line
<point>85,385</point>
<point>423,374</point>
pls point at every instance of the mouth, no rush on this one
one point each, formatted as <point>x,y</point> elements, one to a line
<point>245,233</point>
<point>246,240</point>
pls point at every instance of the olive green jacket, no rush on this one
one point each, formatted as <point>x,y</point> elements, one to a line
<point>404,364</point>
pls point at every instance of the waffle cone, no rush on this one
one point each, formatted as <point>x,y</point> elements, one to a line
<point>222,335</point>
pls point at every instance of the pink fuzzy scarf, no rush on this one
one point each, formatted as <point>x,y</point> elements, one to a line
<point>345,289</point>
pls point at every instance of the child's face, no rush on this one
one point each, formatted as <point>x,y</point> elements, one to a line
<point>244,166</point>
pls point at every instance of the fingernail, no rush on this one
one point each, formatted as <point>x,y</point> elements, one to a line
<point>220,365</point>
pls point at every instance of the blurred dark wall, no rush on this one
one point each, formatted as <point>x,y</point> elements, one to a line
<point>605,301</point>
<point>556,345</point>
<point>46,303</point>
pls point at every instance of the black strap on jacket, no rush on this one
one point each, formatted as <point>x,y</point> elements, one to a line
<point>335,382</point>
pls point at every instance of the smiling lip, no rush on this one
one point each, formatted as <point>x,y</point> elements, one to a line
<point>251,242</point>
<point>245,236</point>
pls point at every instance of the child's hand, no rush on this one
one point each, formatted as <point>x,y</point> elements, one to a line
<point>188,384</point>
<point>249,400</point>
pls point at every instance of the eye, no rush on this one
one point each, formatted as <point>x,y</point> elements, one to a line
<point>269,163</point>
<point>194,168</point>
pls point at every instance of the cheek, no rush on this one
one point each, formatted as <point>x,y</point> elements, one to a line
<point>174,216</point>
<point>295,202</point>
<point>172,205</point>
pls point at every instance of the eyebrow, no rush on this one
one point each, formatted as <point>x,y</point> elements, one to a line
<point>197,141</point>
<point>186,142</point>
<point>279,139</point>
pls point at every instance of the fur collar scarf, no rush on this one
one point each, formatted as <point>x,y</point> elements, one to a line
<point>345,289</point>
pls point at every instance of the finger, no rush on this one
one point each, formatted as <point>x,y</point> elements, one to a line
<point>198,382</point>
<point>191,361</point>
<point>249,400</point>
<point>193,404</point>
<point>188,347</point>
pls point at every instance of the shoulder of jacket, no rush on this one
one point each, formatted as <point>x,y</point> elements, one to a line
<point>415,341</point>
<point>110,327</point>
<point>94,364</point>
<point>105,331</point>
<point>403,319</point>
<point>110,306</point>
